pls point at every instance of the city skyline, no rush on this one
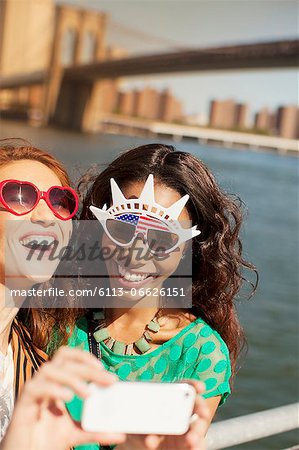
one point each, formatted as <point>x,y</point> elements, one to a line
<point>245,21</point>
<point>151,104</point>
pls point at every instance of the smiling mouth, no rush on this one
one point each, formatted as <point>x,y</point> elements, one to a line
<point>134,277</point>
<point>38,242</point>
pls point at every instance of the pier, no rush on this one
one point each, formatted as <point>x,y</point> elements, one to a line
<point>231,139</point>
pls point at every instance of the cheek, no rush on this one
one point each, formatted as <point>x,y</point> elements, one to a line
<point>2,225</point>
<point>7,231</point>
<point>66,229</point>
<point>171,263</point>
<point>2,234</point>
<point>6,219</point>
<point>107,243</point>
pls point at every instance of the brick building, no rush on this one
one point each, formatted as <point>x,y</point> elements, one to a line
<point>226,114</point>
<point>148,103</point>
<point>288,122</point>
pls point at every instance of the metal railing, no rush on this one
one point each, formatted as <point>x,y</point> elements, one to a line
<point>251,427</point>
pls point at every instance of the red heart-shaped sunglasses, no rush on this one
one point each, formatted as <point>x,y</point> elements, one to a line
<point>21,197</point>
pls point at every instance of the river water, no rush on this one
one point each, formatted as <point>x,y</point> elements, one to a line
<point>268,184</point>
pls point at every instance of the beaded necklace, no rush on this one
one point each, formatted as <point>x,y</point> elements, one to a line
<point>98,332</point>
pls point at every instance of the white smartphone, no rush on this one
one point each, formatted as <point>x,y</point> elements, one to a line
<point>139,408</point>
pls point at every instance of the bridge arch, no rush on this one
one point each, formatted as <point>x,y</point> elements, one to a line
<point>89,44</point>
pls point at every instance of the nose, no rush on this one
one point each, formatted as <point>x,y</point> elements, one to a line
<point>43,214</point>
<point>139,251</point>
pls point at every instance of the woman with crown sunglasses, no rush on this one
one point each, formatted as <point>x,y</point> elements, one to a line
<point>155,205</point>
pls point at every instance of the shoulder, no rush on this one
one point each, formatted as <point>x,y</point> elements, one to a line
<point>211,346</point>
<point>22,343</point>
<point>209,354</point>
<point>206,337</point>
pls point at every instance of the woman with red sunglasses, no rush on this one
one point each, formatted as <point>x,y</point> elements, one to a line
<point>36,208</point>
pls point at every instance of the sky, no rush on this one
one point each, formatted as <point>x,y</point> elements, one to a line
<point>164,25</point>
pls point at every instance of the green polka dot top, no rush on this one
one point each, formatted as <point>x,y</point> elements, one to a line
<point>196,352</point>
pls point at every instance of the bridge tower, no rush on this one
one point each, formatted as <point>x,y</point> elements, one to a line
<point>26,35</point>
<point>41,39</point>
<point>79,38</point>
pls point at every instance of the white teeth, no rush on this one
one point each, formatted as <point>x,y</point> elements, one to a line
<point>38,240</point>
<point>132,276</point>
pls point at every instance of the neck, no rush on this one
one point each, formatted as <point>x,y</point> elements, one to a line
<point>138,312</point>
<point>7,314</point>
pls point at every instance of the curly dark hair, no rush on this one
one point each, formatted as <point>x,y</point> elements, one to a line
<point>217,262</point>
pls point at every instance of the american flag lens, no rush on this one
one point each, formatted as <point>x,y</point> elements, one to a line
<point>120,231</point>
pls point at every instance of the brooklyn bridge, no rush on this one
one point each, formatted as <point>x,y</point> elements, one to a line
<point>70,85</point>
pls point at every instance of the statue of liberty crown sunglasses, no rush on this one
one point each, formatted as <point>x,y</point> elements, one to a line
<point>127,219</point>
